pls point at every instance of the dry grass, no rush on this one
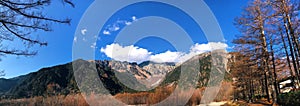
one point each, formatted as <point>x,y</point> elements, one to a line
<point>61,100</point>
<point>145,97</point>
<point>70,100</point>
<point>160,94</point>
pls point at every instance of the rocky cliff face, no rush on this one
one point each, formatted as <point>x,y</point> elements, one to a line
<point>143,70</point>
<point>147,73</point>
<point>132,68</point>
<point>157,69</point>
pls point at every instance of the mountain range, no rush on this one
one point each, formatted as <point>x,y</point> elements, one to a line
<point>60,79</point>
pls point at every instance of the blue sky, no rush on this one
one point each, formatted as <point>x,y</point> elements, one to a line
<point>60,40</point>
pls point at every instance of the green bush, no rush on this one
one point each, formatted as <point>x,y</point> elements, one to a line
<point>289,99</point>
<point>260,96</point>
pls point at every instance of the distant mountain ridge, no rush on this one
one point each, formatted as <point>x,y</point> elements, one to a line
<point>60,79</point>
<point>36,83</point>
<point>6,84</point>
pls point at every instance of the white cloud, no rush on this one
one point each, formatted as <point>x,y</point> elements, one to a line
<point>93,45</point>
<point>128,23</point>
<point>106,32</point>
<point>83,31</point>
<point>126,53</point>
<point>133,18</point>
<point>201,48</point>
<point>75,39</point>
<point>114,28</point>
<point>136,54</point>
<point>167,56</point>
<point>116,25</point>
<point>217,45</point>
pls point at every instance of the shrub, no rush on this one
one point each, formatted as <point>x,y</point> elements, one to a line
<point>289,99</point>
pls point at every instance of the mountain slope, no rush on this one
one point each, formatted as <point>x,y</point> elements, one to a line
<point>210,66</point>
<point>7,84</point>
<point>60,79</point>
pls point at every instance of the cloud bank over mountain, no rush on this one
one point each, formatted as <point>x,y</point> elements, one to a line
<point>133,53</point>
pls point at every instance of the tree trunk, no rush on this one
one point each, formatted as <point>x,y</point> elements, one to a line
<point>274,73</point>
<point>292,53</point>
<point>266,86</point>
<point>290,33</point>
<point>265,53</point>
<point>288,60</point>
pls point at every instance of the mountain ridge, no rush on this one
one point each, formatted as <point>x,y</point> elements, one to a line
<point>57,74</point>
<point>60,78</point>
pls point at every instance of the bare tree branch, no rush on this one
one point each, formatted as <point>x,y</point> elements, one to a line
<point>20,19</point>
<point>23,38</point>
<point>18,52</point>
